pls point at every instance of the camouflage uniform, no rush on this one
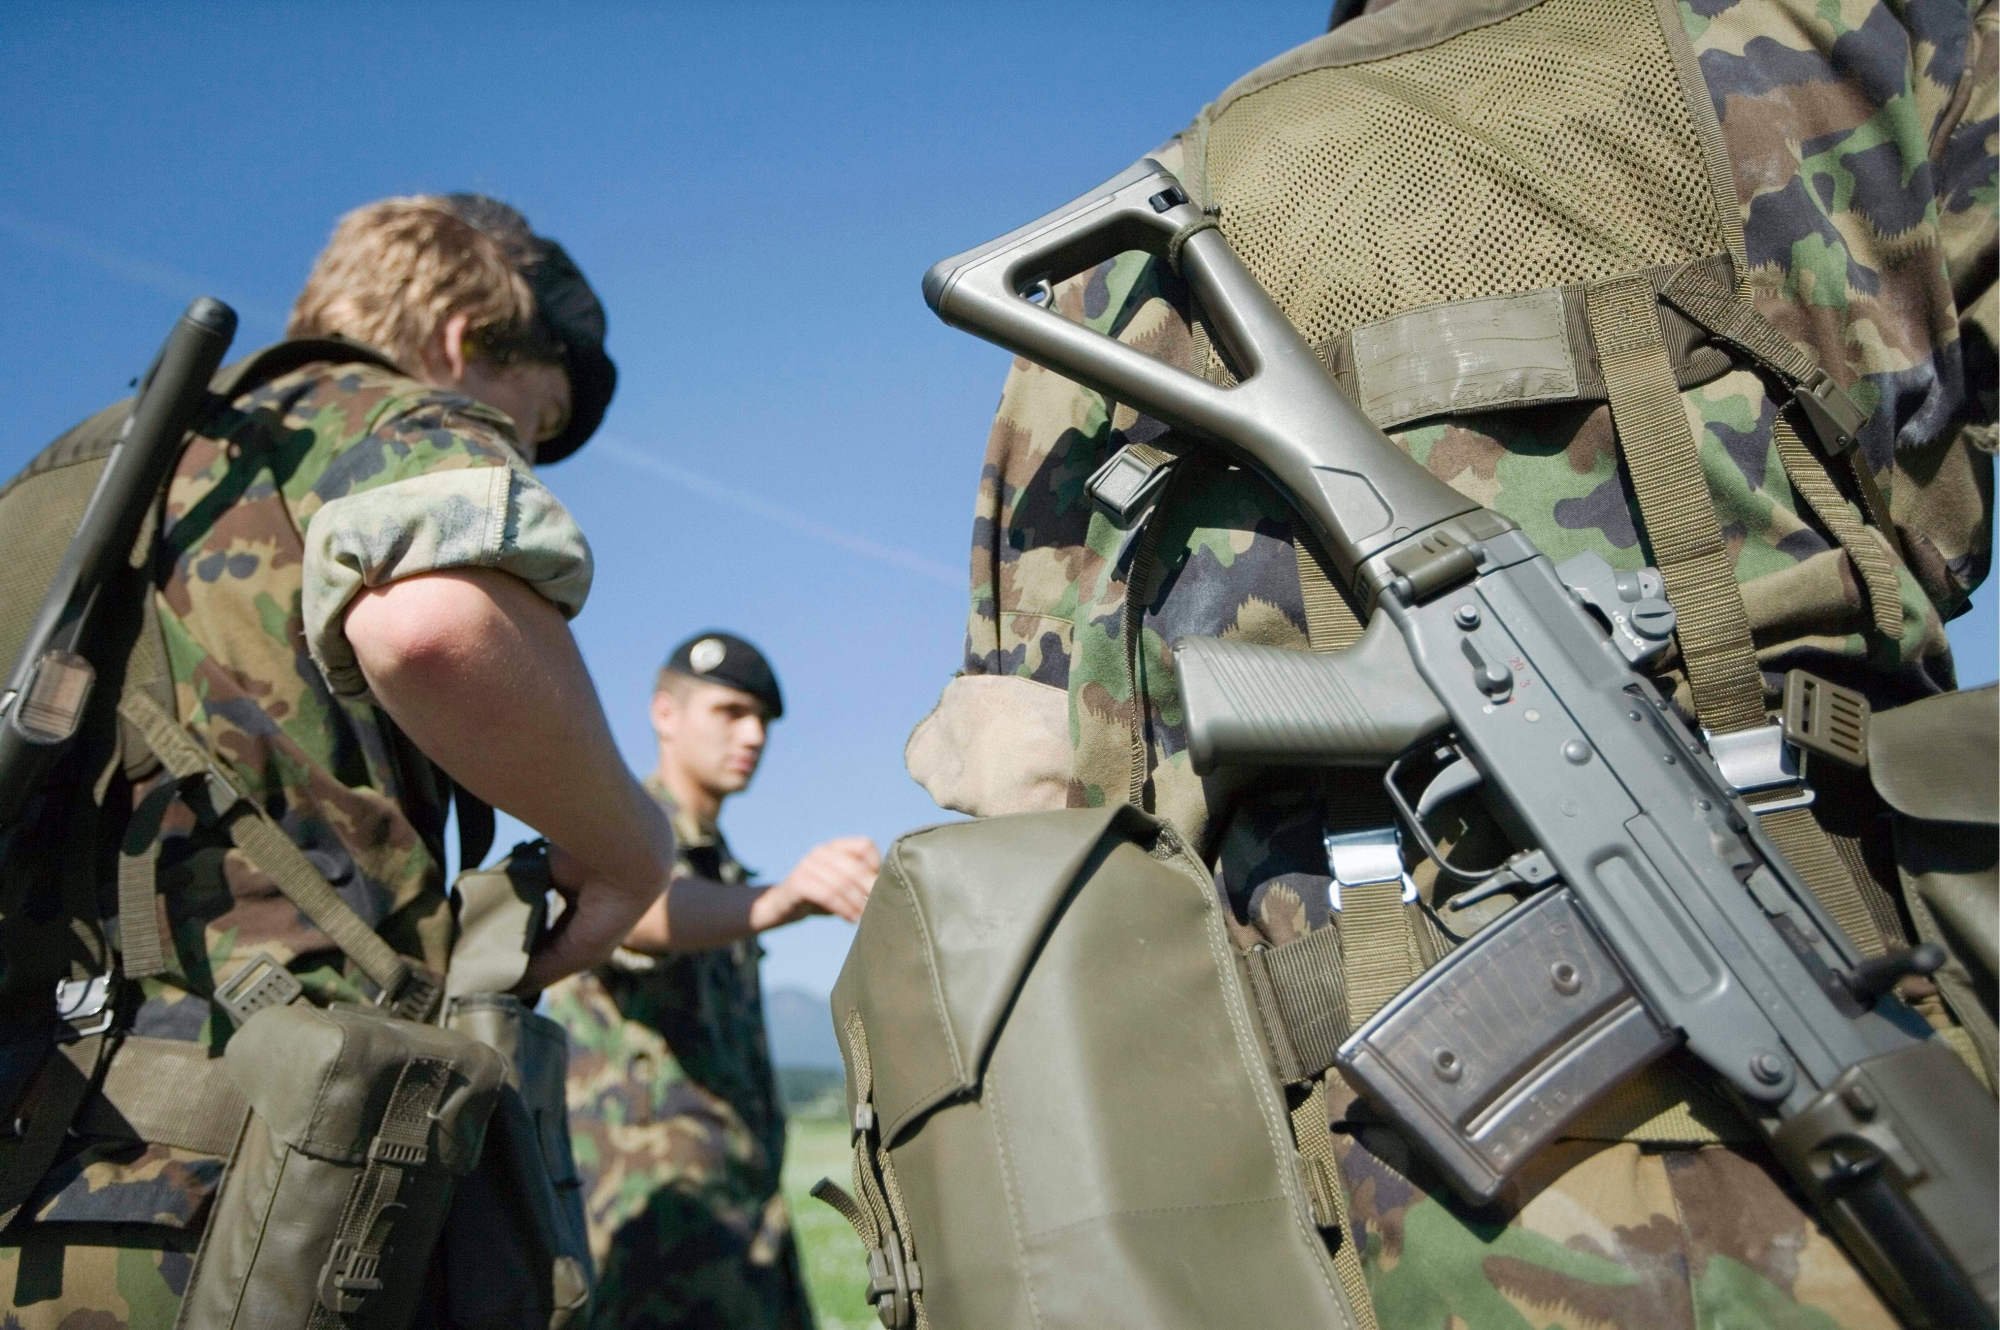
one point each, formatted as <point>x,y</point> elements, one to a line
<point>285,503</point>
<point>1862,138</point>
<point>677,1128</point>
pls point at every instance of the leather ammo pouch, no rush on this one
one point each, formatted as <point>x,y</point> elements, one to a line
<point>1051,1062</point>
<point>360,1125</point>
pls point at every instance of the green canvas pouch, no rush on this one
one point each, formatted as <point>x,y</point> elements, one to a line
<point>360,1125</point>
<point>1051,1056</point>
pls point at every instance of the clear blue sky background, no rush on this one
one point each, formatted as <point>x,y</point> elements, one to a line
<point>754,188</point>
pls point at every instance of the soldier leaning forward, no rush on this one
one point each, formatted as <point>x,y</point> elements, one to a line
<point>679,1131</point>
<point>358,593</point>
<point>1443,197</point>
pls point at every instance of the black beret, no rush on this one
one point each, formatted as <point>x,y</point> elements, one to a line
<point>725,658</point>
<point>568,308</point>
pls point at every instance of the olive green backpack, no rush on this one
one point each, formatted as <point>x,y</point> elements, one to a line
<point>1053,1048</point>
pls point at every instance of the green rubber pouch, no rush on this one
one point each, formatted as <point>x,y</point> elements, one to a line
<point>361,1124</point>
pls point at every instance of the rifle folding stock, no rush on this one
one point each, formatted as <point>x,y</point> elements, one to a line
<point>1656,911</point>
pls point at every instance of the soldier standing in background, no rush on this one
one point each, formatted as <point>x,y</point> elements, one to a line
<point>674,1109</point>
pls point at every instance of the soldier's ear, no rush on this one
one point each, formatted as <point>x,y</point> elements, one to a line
<point>445,354</point>
<point>665,713</point>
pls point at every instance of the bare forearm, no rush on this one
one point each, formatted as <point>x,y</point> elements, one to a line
<point>483,675</point>
<point>697,914</point>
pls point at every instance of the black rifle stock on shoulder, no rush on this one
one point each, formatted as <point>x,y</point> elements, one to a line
<point>49,687</point>
<point>1657,911</point>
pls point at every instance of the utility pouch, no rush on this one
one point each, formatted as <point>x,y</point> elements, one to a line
<point>1051,1061</point>
<point>361,1123</point>
<point>1934,763</point>
<point>515,1250</point>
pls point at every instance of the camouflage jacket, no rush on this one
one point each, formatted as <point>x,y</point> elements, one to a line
<point>285,502</point>
<point>288,502</point>
<point>1861,150</point>
<point>677,1127</point>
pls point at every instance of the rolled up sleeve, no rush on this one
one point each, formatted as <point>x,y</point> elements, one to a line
<point>464,517</point>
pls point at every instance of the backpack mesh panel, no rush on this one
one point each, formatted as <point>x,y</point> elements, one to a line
<point>1549,148</point>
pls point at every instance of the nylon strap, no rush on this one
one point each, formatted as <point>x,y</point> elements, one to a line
<point>1674,503</point>
<point>1310,1128</point>
<point>878,1212</point>
<point>1696,293</point>
<point>1331,624</point>
<point>267,846</point>
<point>60,1086</point>
<point>1378,941</point>
<point>1680,521</point>
<point>1811,852</point>
<point>166,1092</point>
<point>141,949</point>
<point>353,1268</point>
<point>1870,559</point>
<point>1138,591</point>
<point>1300,991</point>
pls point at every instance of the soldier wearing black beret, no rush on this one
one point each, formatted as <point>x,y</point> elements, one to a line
<point>674,1105</point>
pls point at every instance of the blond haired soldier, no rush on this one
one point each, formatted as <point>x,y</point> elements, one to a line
<point>362,591</point>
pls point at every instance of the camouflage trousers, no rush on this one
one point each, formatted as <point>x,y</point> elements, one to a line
<point>686,1226</point>
<point>1598,1234</point>
<point>94,1276</point>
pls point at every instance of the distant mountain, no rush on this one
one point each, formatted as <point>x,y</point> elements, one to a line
<point>801,1027</point>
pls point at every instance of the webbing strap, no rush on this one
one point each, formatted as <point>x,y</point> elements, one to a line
<point>271,850</point>
<point>1870,559</point>
<point>166,1092</point>
<point>1658,1106</point>
<point>1812,854</point>
<point>1378,941</point>
<point>1138,591</point>
<point>1674,503</point>
<point>142,951</point>
<point>1300,991</point>
<point>353,1269</point>
<point>876,1209</point>
<point>1331,624</point>
<point>46,1112</point>
<point>1311,1129</point>
<point>1697,293</point>
<point>1680,520</point>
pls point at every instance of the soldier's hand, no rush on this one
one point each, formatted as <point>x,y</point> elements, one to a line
<point>834,878</point>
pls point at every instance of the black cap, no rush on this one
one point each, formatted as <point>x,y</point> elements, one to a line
<point>568,308</point>
<point>727,659</point>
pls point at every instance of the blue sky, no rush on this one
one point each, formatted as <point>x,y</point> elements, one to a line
<point>755,189</point>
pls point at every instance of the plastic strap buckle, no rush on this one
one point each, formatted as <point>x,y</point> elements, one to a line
<point>261,983</point>
<point>348,1277</point>
<point>417,998</point>
<point>1833,415</point>
<point>892,1283</point>
<point>1826,719</point>
<point>1126,483</point>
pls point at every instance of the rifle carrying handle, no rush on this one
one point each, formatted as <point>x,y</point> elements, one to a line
<point>1267,706</point>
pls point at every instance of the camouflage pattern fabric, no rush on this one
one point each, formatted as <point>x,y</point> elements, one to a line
<point>678,1132</point>
<point>1862,138</point>
<point>327,461</point>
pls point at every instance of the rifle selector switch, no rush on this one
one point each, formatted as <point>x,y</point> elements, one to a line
<point>1492,678</point>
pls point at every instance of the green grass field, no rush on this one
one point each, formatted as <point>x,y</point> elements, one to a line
<point>835,1266</point>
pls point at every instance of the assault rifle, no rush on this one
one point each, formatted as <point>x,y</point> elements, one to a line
<point>1657,911</point>
<point>43,704</point>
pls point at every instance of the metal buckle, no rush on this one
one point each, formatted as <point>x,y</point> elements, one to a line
<point>1366,858</point>
<point>1826,719</point>
<point>84,1005</point>
<point>1757,760</point>
<point>1125,484</point>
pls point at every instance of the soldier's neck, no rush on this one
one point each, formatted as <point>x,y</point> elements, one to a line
<point>689,795</point>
